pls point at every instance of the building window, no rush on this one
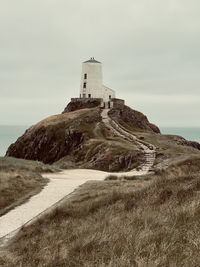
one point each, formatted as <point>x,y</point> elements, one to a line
<point>84,85</point>
<point>109,96</point>
<point>84,95</point>
<point>89,95</point>
<point>85,76</point>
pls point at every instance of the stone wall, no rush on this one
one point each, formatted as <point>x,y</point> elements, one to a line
<point>86,100</point>
<point>117,102</point>
<point>81,103</point>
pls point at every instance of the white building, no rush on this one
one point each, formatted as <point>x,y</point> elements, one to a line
<point>92,82</point>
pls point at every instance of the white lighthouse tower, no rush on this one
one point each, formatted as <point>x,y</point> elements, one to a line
<point>92,91</point>
<point>91,79</point>
<point>92,82</point>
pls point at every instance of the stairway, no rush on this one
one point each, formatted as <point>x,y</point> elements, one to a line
<point>118,130</point>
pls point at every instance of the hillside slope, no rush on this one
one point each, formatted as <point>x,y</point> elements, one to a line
<point>156,216</point>
<point>146,222</point>
<point>80,139</point>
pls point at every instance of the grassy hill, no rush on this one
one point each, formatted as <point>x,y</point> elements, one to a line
<point>144,222</point>
<point>79,139</point>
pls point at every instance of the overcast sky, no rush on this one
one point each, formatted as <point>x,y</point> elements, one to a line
<point>150,50</point>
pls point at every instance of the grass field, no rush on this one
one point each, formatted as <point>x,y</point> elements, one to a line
<point>19,180</point>
<point>152,222</point>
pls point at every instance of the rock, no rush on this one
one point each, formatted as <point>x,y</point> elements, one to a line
<point>69,141</point>
<point>79,139</point>
<point>55,137</point>
<point>132,118</point>
<point>106,161</point>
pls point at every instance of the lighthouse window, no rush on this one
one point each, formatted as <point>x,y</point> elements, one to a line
<point>84,85</point>
<point>85,76</point>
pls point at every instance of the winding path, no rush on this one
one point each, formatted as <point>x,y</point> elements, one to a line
<point>64,183</point>
<point>148,149</point>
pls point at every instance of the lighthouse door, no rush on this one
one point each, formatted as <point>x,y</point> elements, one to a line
<point>107,105</point>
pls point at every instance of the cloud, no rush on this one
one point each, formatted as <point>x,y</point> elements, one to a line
<point>149,50</point>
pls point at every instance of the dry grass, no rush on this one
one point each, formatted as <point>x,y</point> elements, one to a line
<point>100,149</point>
<point>19,180</point>
<point>105,155</point>
<point>12,164</point>
<point>166,144</point>
<point>119,223</point>
<point>66,117</point>
<point>18,186</point>
<point>128,178</point>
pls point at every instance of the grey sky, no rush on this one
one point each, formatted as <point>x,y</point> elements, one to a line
<point>150,50</point>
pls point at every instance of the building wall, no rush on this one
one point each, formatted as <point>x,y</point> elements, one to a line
<point>108,93</point>
<point>117,102</point>
<point>93,80</point>
<point>86,100</point>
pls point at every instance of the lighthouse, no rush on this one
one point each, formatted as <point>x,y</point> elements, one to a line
<point>92,82</point>
<point>92,90</point>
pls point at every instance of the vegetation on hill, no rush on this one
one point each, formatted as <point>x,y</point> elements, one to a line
<point>151,222</point>
<point>87,103</point>
<point>132,118</point>
<point>19,180</point>
<point>137,221</point>
<point>169,148</point>
<point>54,137</point>
<point>79,139</point>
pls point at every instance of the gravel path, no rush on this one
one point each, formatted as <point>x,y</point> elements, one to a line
<point>62,184</point>
<point>59,186</point>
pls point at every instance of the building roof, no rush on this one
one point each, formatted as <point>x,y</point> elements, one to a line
<point>106,87</point>
<point>92,60</point>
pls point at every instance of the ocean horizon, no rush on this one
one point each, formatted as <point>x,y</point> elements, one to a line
<point>189,133</point>
<point>10,133</point>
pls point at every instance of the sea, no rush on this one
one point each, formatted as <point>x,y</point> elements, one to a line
<point>10,133</point>
<point>189,133</point>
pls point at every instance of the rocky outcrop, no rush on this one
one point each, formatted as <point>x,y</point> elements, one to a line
<point>102,158</point>
<point>46,144</point>
<point>132,118</point>
<point>76,139</point>
<point>77,104</point>
<point>182,141</point>
<point>70,140</point>
<point>121,113</point>
<point>55,137</point>
<point>108,162</point>
<point>80,139</point>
